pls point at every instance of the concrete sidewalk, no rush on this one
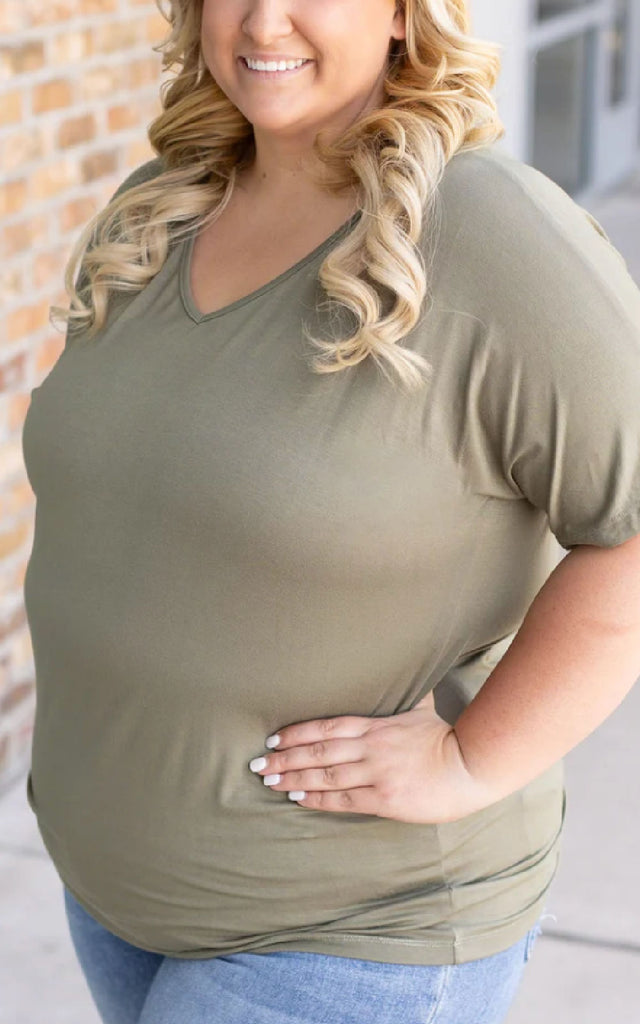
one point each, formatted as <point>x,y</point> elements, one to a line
<point>586,966</point>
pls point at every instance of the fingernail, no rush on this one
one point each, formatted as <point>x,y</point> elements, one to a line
<point>271,780</point>
<point>258,764</point>
<point>272,741</point>
<point>297,794</point>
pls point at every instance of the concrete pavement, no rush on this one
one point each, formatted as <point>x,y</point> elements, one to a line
<point>586,966</point>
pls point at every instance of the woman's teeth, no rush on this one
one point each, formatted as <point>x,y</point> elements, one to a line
<point>273,65</point>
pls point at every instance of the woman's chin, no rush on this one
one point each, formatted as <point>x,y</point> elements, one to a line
<point>281,126</point>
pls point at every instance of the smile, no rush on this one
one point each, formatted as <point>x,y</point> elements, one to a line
<point>273,68</point>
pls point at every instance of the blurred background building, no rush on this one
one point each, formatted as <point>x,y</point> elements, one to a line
<point>569,92</point>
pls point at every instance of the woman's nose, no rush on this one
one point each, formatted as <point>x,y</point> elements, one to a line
<point>267,20</point>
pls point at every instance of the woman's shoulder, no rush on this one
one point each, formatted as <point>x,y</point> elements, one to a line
<point>492,194</point>
<point>507,233</point>
<point>485,178</point>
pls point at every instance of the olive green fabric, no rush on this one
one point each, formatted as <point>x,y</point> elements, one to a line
<point>226,542</point>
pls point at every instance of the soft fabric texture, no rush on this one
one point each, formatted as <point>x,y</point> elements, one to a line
<point>227,543</point>
<point>132,986</point>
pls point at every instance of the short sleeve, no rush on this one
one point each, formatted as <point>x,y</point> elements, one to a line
<point>146,171</point>
<point>555,405</point>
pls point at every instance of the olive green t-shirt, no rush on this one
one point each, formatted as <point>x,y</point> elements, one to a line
<point>226,543</point>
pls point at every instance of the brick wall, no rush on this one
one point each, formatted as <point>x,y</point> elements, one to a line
<point>78,86</point>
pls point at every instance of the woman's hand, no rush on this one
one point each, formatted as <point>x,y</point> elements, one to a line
<point>408,767</point>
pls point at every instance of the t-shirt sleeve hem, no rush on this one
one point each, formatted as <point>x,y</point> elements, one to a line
<point>609,534</point>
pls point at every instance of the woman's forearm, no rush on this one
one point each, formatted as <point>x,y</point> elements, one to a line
<point>573,660</point>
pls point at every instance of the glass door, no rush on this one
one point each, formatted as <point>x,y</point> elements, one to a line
<point>617,126</point>
<point>584,90</point>
<point>552,8</point>
<point>562,110</point>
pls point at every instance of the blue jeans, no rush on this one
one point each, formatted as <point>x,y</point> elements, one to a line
<point>132,986</point>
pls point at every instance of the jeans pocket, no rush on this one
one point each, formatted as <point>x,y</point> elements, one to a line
<point>532,935</point>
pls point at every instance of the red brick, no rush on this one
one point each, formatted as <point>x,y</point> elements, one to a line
<point>19,649</point>
<point>48,351</point>
<point>47,12</point>
<point>123,116</point>
<point>11,460</point>
<point>11,107</point>
<point>100,82</point>
<point>16,694</point>
<point>17,405</point>
<point>12,580</point>
<point>54,178</point>
<point>97,6</point>
<point>48,267</point>
<point>22,147</point>
<point>18,572</point>
<point>75,130</point>
<point>116,36</point>
<point>11,285</point>
<point>98,165</point>
<point>155,27</point>
<point>27,320</point>
<point>22,57</point>
<point>12,540</point>
<point>23,235</point>
<point>13,17</point>
<point>76,213</point>
<point>70,48</point>
<point>13,197</point>
<point>52,95</point>
<point>144,71</point>
<point>138,153</point>
<point>12,372</point>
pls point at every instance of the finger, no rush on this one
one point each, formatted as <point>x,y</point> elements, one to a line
<point>365,800</point>
<point>320,754</point>
<point>318,729</point>
<point>333,777</point>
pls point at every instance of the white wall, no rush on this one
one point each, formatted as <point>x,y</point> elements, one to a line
<point>505,22</point>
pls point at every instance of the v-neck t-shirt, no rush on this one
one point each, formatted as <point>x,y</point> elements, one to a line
<point>227,542</point>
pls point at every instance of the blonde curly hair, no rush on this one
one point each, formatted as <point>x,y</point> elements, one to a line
<point>438,102</point>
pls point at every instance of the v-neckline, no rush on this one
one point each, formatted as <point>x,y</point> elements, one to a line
<point>185,273</point>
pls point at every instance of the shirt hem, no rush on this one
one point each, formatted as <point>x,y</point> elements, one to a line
<point>435,952</point>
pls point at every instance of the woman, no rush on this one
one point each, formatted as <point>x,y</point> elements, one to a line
<point>307,658</point>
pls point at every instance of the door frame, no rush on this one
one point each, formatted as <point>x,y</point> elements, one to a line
<point>610,134</point>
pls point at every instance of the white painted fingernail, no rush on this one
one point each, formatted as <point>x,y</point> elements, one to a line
<point>272,741</point>
<point>271,780</point>
<point>258,764</point>
<point>297,794</point>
